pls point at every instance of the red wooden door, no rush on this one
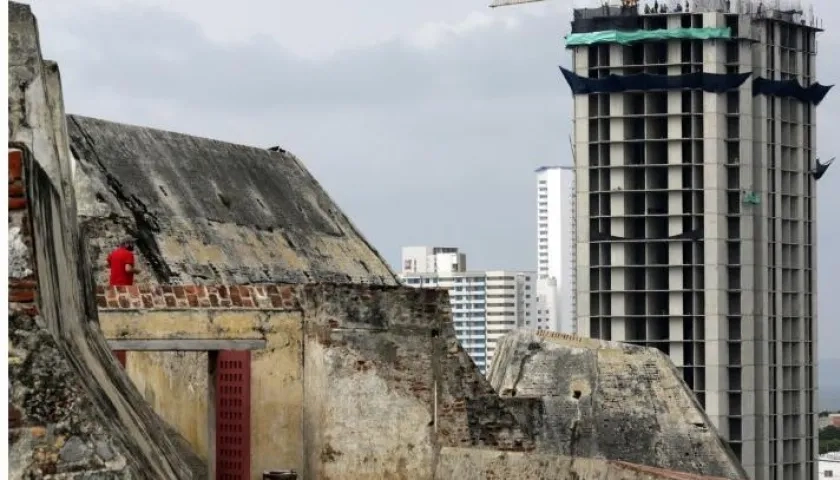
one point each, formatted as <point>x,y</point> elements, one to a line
<point>120,354</point>
<point>233,415</point>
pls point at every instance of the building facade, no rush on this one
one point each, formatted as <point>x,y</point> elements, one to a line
<point>829,466</point>
<point>486,305</point>
<point>420,260</point>
<point>555,249</point>
<point>696,208</point>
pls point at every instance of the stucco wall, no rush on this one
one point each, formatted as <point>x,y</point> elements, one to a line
<point>277,395</point>
<point>180,400</point>
<point>359,422</point>
<point>276,382</point>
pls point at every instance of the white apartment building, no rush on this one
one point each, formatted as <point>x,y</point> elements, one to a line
<point>486,305</point>
<point>696,208</point>
<point>829,466</point>
<point>555,249</point>
<point>433,260</point>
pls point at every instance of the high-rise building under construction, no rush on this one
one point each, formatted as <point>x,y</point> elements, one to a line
<point>695,171</point>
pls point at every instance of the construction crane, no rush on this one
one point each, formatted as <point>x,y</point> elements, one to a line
<point>506,3</point>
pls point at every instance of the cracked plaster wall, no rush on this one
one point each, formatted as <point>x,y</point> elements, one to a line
<point>356,382</point>
<point>276,382</point>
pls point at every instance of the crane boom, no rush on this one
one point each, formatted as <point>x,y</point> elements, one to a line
<point>505,3</point>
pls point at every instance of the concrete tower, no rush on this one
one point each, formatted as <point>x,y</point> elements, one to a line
<point>696,207</point>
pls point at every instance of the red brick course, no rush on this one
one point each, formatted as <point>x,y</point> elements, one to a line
<point>17,197</point>
<point>180,297</point>
<point>21,290</point>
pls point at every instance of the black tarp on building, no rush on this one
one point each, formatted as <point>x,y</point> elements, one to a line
<point>814,93</point>
<point>709,82</point>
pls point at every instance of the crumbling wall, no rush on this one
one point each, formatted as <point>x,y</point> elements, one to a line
<point>72,410</point>
<point>400,343</point>
<point>609,400</point>
<point>471,464</point>
<point>338,360</point>
<point>52,425</point>
<point>267,313</point>
<point>386,385</point>
<point>369,382</point>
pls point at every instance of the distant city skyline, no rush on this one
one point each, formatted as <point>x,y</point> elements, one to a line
<point>486,304</point>
<point>443,111</point>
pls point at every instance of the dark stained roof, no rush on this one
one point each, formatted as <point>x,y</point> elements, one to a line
<point>206,211</point>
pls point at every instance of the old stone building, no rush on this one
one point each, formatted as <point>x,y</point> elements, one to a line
<point>264,332</point>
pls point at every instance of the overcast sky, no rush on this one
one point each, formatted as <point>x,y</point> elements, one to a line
<point>424,120</point>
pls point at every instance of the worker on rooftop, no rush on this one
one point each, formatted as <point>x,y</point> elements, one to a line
<point>121,264</point>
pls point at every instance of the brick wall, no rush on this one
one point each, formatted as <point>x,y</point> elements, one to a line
<point>22,284</point>
<point>140,297</point>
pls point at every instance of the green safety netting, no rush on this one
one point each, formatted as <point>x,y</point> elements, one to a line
<point>626,38</point>
<point>751,198</point>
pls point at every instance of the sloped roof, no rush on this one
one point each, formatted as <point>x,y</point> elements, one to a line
<point>206,211</point>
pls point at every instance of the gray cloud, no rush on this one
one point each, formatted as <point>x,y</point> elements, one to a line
<point>152,53</point>
<point>418,146</point>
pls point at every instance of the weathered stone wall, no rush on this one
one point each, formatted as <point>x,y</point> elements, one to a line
<point>53,427</point>
<point>276,384</point>
<point>386,385</point>
<point>257,216</point>
<point>68,403</point>
<point>472,464</point>
<point>609,400</point>
<point>369,382</point>
<point>72,410</point>
<point>338,361</point>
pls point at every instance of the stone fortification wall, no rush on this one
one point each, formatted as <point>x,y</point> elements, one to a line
<point>369,382</point>
<point>608,400</point>
<point>358,381</point>
<point>72,411</point>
